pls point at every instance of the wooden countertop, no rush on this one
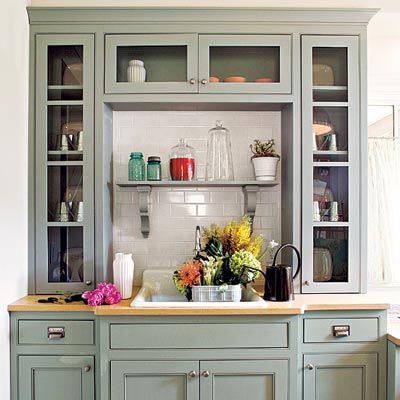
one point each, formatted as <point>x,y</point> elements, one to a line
<point>301,304</point>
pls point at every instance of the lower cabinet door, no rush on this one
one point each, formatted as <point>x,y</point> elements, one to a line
<point>56,377</point>
<point>154,380</point>
<point>244,380</point>
<point>341,376</point>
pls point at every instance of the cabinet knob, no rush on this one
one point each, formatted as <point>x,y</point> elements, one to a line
<point>192,81</point>
<point>87,368</point>
<point>310,367</point>
<point>192,374</point>
<point>88,283</point>
<point>206,374</point>
<point>307,283</point>
<point>204,81</point>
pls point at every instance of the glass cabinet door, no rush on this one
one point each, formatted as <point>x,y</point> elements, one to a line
<point>331,164</point>
<point>245,63</point>
<point>64,163</point>
<point>151,63</point>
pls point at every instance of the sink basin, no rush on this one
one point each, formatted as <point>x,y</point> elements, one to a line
<point>158,290</point>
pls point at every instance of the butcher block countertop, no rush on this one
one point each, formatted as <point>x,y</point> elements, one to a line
<point>301,304</point>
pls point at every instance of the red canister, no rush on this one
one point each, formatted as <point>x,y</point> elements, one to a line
<point>182,162</point>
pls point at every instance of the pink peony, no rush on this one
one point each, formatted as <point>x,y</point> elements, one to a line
<point>105,293</point>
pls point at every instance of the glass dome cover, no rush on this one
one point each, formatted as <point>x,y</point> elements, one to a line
<point>219,165</point>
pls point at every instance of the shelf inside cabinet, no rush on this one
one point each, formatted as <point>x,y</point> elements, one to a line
<point>62,224</point>
<point>330,164</point>
<point>330,224</point>
<point>329,93</point>
<point>250,190</point>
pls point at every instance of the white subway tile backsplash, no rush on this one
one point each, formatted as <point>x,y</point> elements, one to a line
<point>176,212</point>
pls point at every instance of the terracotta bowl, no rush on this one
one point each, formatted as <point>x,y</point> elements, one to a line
<point>213,79</point>
<point>264,80</point>
<point>235,79</point>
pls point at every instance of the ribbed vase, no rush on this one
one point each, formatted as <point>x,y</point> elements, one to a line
<point>123,269</point>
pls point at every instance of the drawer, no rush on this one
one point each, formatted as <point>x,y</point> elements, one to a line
<point>323,330</point>
<point>198,336</point>
<point>55,332</point>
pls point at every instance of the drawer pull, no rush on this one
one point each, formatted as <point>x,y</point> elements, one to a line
<point>206,374</point>
<point>55,332</point>
<point>310,367</point>
<point>341,330</point>
<point>192,374</point>
<point>87,368</point>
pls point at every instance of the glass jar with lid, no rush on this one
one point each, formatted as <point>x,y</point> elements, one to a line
<point>182,162</point>
<point>154,168</point>
<point>136,167</point>
<point>219,165</point>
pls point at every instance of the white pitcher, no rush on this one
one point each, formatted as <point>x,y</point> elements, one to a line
<point>123,268</point>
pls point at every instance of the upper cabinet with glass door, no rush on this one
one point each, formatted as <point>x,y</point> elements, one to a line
<point>64,163</point>
<point>331,162</point>
<point>151,63</point>
<point>245,64</point>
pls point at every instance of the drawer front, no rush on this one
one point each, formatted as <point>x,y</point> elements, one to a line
<point>198,336</point>
<point>55,332</point>
<point>340,330</point>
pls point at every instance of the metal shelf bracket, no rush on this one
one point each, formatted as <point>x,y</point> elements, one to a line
<point>144,204</point>
<point>250,201</point>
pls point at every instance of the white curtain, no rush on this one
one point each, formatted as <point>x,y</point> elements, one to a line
<point>384,211</point>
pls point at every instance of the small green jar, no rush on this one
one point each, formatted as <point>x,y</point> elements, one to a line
<point>136,167</point>
<point>154,168</point>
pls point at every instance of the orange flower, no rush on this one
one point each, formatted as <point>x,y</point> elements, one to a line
<point>190,273</point>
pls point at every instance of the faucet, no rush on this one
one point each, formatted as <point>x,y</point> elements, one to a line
<point>197,242</point>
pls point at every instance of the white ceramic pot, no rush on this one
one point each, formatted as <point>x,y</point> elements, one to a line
<point>265,168</point>
<point>123,268</point>
<point>136,71</point>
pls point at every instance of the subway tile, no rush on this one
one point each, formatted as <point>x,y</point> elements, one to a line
<point>197,197</point>
<point>234,210</point>
<point>178,210</point>
<point>209,210</point>
<point>225,197</point>
<point>171,197</point>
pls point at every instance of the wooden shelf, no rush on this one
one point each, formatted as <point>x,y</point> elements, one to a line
<point>330,164</point>
<point>64,163</point>
<point>328,224</point>
<point>330,88</point>
<point>173,184</point>
<point>70,224</point>
<point>330,104</point>
<point>330,152</point>
<point>65,102</point>
<point>64,152</point>
<point>65,87</point>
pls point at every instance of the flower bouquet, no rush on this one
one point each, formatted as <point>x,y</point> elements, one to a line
<point>221,267</point>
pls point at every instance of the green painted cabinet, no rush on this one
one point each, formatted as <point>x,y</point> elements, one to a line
<point>64,160</point>
<point>341,376</point>
<point>261,379</point>
<point>56,377</point>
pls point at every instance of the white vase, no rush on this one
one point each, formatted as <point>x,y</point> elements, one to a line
<point>123,268</point>
<point>265,168</point>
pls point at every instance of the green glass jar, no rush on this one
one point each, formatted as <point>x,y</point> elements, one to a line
<point>154,168</point>
<point>136,167</point>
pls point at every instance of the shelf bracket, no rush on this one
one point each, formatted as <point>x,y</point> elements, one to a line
<point>250,201</point>
<point>144,204</point>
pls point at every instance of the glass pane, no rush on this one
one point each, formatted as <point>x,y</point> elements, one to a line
<point>380,121</point>
<point>65,72</point>
<point>65,193</point>
<point>330,194</point>
<point>330,133</point>
<point>238,64</point>
<point>330,74</point>
<point>330,256</point>
<point>65,253</point>
<point>162,63</point>
<point>65,133</point>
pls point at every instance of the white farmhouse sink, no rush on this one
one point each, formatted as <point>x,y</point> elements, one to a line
<point>158,290</point>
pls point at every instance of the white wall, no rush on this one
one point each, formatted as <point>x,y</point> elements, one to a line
<point>13,168</point>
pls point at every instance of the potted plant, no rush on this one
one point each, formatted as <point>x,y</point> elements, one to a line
<point>265,160</point>
<point>219,272</point>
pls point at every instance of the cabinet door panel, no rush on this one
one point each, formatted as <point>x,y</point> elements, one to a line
<point>56,377</point>
<point>341,376</point>
<point>154,380</point>
<point>235,380</point>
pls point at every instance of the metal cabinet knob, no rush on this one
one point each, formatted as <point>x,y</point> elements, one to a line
<point>87,368</point>
<point>88,283</point>
<point>206,374</point>
<point>192,81</point>
<point>310,367</point>
<point>307,283</point>
<point>192,374</point>
<point>204,81</point>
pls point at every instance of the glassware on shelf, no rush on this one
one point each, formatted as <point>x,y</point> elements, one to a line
<point>219,154</point>
<point>323,265</point>
<point>136,167</point>
<point>182,162</point>
<point>154,168</point>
